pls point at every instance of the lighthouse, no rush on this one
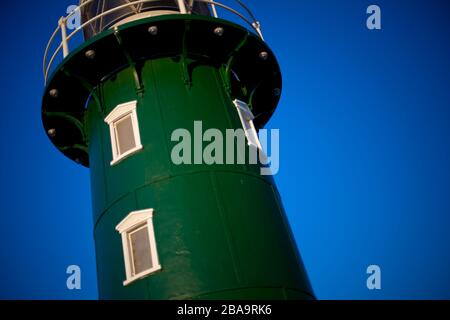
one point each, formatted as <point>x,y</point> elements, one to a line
<point>117,88</point>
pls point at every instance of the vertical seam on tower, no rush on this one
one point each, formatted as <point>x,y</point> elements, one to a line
<point>102,101</point>
<point>225,228</point>
<point>160,111</point>
<point>226,103</point>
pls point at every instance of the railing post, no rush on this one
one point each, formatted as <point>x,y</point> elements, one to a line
<point>65,45</point>
<point>213,8</point>
<point>257,27</point>
<point>182,6</point>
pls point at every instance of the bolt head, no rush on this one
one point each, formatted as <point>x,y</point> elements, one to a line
<point>78,161</point>
<point>54,93</point>
<point>277,92</point>
<point>153,30</point>
<point>52,133</point>
<point>219,31</point>
<point>90,54</point>
<point>264,55</point>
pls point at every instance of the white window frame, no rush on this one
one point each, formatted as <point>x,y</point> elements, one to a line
<point>136,220</point>
<point>119,113</point>
<point>247,117</point>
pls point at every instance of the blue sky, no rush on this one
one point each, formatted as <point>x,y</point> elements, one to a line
<point>365,147</point>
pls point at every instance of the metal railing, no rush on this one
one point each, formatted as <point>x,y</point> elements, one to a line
<point>184,7</point>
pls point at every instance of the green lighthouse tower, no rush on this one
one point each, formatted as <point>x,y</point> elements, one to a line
<point>119,86</point>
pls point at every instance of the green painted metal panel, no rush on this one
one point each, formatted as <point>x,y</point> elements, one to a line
<point>218,228</point>
<point>221,230</point>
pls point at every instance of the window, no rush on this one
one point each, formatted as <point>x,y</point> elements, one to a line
<point>124,130</point>
<point>139,245</point>
<point>247,117</point>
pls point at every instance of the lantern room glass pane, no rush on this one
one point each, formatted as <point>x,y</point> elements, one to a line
<point>97,7</point>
